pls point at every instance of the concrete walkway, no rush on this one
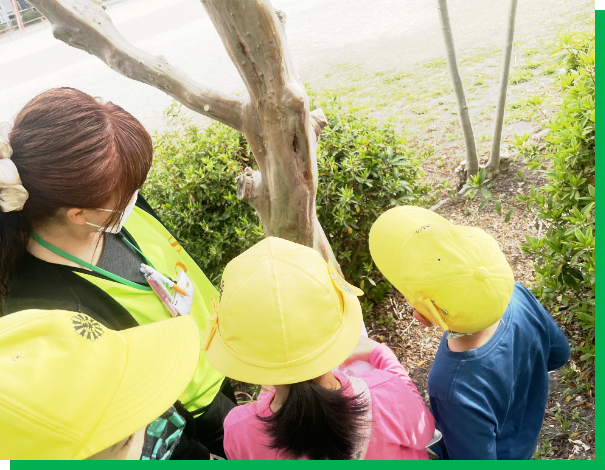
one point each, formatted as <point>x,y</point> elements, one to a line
<point>382,34</point>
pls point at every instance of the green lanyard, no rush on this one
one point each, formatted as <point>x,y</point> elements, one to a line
<point>92,267</point>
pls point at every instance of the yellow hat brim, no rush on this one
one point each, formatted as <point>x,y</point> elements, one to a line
<point>323,360</point>
<point>391,230</point>
<point>162,358</point>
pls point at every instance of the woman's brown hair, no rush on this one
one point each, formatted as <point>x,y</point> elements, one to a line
<point>71,150</point>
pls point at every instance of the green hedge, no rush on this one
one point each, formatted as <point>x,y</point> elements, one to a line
<point>10,24</point>
<point>565,252</point>
<point>30,15</point>
<point>27,15</point>
<point>192,188</point>
<point>365,167</point>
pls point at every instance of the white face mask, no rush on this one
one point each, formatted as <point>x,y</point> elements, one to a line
<point>117,227</point>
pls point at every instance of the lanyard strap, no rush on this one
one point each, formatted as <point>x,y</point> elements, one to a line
<point>86,264</point>
<point>136,249</point>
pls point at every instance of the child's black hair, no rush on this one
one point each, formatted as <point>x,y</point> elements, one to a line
<point>317,423</point>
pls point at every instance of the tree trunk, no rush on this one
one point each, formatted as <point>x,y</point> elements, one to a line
<point>472,161</point>
<point>275,118</point>
<point>493,165</point>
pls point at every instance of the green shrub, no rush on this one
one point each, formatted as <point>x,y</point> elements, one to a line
<point>192,188</point>
<point>565,252</point>
<point>10,24</point>
<point>364,169</point>
<point>30,15</point>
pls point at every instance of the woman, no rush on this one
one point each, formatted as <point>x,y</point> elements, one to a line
<point>74,231</point>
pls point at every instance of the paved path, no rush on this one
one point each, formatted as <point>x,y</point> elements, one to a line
<point>381,34</point>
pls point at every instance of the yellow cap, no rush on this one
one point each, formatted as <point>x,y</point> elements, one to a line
<point>282,318</point>
<point>70,388</point>
<point>455,276</point>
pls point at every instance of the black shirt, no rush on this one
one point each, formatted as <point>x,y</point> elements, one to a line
<point>120,258</point>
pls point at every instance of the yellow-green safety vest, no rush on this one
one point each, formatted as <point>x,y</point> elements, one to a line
<point>168,257</point>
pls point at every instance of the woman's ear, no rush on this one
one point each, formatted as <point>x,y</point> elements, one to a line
<point>76,216</point>
<point>422,319</point>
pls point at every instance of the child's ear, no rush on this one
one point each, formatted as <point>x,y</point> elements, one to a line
<point>422,319</point>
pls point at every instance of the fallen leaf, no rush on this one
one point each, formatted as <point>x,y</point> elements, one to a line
<point>574,434</point>
<point>580,443</point>
<point>567,399</point>
<point>420,363</point>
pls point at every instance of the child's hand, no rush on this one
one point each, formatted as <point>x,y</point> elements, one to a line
<point>362,351</point>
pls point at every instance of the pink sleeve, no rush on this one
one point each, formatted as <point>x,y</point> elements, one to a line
<point>407,419</point>
<point>384,359</point>
<point>229,443</point>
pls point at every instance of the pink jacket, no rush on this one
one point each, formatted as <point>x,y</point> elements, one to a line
<point>401,424</point>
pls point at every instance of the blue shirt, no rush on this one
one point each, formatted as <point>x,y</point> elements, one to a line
<point>489,402</point>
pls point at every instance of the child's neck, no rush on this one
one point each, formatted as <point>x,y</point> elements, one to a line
<point>281,391</point>
<point>474,341</point>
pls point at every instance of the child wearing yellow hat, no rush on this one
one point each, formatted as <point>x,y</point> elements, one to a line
<point>488,384</point>
<point>72,389</point>
<point>287,319</point>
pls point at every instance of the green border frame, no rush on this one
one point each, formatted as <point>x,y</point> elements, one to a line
<point>263,465</point>
<point>600,54</point>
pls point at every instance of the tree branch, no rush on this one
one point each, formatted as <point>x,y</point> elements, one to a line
<point>84,24</point>
<point>255,41</point>
<point>282,18</point>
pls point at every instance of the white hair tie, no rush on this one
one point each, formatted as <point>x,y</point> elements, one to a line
<point>12,193</point>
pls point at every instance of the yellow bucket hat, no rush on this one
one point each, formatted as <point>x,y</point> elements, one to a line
<point>285,316</point>
<point>455,276</point>
<point>70,388</point>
